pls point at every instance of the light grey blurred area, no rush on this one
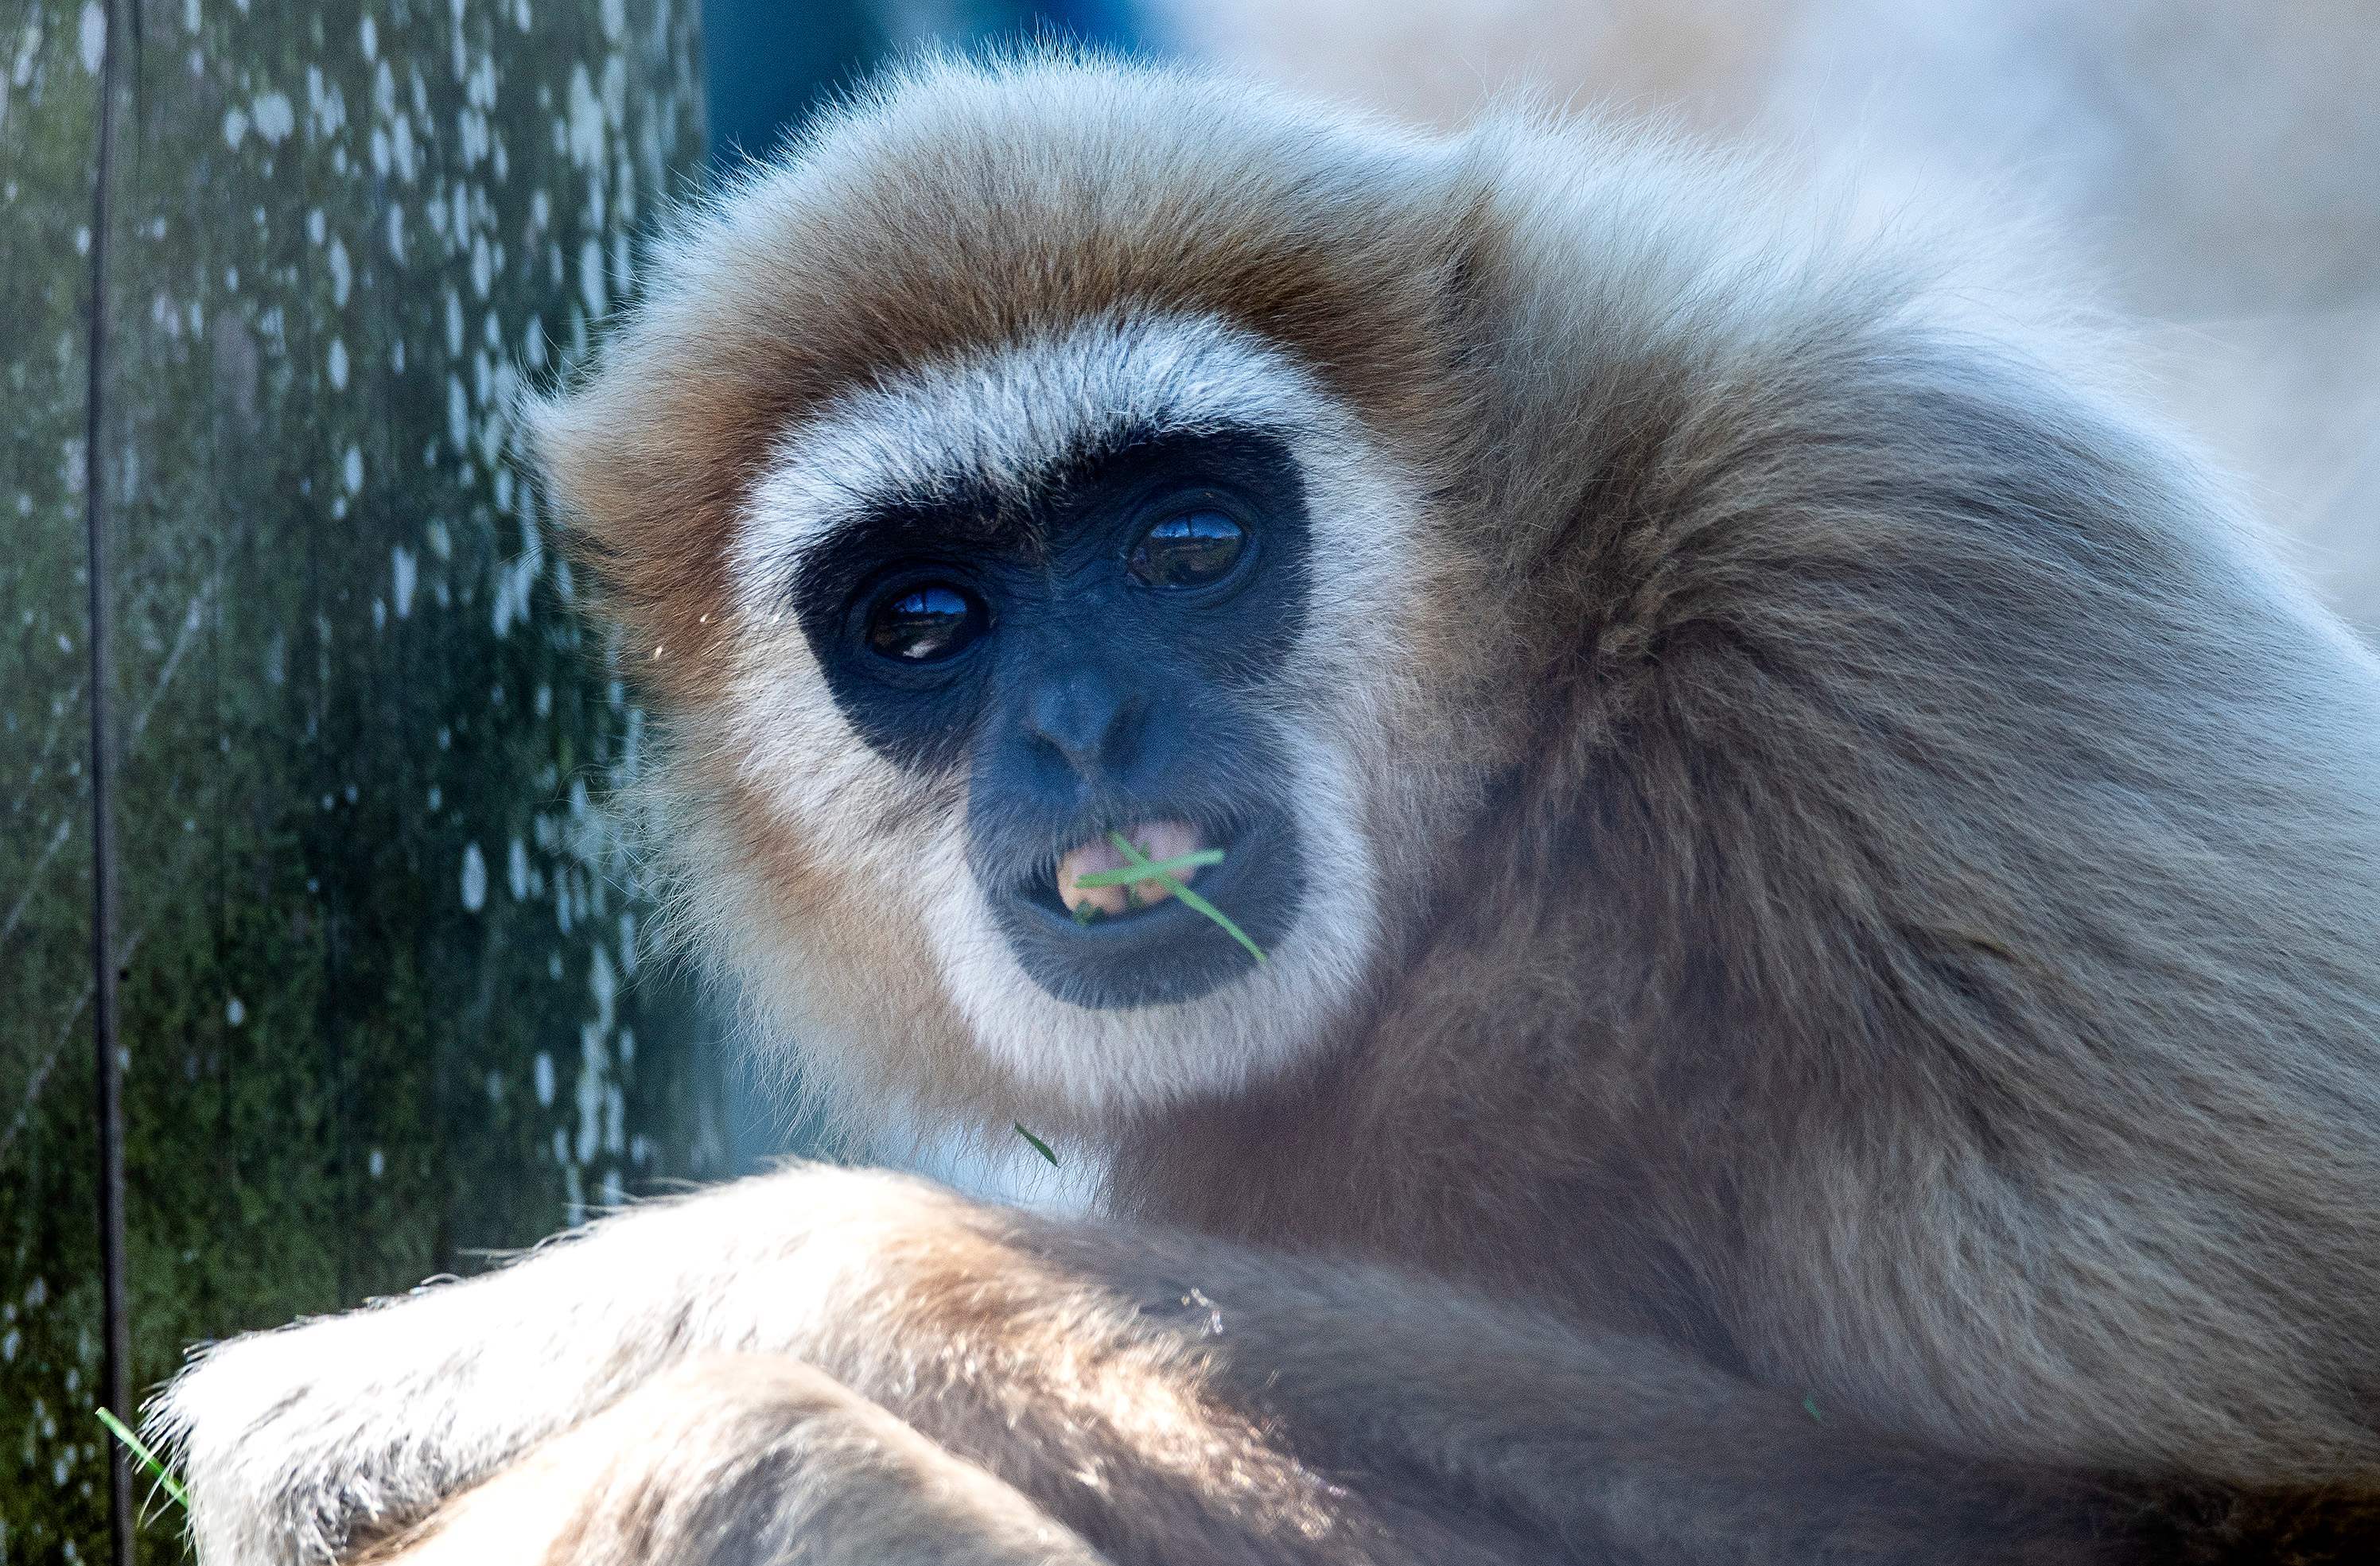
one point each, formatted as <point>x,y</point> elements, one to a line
<point>2213,169</point>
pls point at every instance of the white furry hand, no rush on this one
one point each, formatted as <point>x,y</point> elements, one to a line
<point>293,1442</point>
<point>299,1442</point>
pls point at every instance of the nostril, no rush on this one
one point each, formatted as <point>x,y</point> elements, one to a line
<point>1088,718</point>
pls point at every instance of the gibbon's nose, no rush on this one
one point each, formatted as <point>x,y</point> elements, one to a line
<point>1088,718</point>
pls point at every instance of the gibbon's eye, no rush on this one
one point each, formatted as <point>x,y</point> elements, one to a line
<point>1188,551</point>
<point>925,624</point>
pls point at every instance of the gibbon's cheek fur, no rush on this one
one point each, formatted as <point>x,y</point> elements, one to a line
<point>1093,655</point>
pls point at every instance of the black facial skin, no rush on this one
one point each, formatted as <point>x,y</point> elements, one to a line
<point>1089,654</point>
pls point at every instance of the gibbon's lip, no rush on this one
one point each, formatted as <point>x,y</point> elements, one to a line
<point>1164,951</point>
<point>1155,839</point>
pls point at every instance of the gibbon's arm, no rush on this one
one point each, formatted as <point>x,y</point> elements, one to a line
<point>1164,1397</point>
<point>738,1459</point>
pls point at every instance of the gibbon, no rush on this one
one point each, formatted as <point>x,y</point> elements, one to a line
<point>1799,963</point>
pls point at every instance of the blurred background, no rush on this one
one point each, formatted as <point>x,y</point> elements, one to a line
<point>2211,167</point>
<point>322,966</point>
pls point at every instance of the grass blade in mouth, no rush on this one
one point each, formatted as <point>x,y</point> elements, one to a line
<point>1146,869</point>
<point>1156,869</point>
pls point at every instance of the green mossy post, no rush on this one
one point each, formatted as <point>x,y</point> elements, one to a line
<point>378,998</point>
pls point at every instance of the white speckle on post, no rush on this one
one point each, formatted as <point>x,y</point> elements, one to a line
<point>275,116</point>
<point>404,574</point>
<point>615,92</point>
<point>342,273</point>
<point>517,871</point>
<point>377,1163</point>
<point>544,1077</point>
<point>475,878</point>
<point>235,127</point>
<point>368,37</point>
<point>94,36</point>
<point>586,123</point>
<point>351,470</point>
<point>336,365</point>
<point>593,1070</point>
<point>235,1011</point>
<point>606,985</point>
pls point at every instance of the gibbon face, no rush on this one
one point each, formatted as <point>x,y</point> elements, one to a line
<point>1088,648</point>
<point>1130,577</point>
<point>1062,590</point>
<point>1065,588</point>
<point>962,518</point>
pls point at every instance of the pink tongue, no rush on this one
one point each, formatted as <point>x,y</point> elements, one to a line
<point>1156,840</point>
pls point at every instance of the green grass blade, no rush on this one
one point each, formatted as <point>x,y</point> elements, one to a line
<point>1197,860</point>
<point>133,1444</point>
<point>1144,868</point>
<point>1038,1146</point>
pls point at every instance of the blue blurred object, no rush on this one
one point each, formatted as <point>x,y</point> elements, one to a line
<point>768,62</point>
<point>1115,22</point>
<point>765,62</point>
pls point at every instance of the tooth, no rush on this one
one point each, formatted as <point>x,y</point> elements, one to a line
<point>1155,839</point>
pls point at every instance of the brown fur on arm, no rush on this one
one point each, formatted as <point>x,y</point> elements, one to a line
<point>738,1459</point>
<point>1168,1397</point>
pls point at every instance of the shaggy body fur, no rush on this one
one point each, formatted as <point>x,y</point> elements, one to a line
<point>1858,1036</point>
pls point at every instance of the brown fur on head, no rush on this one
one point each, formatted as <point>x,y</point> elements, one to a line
<point>1842,854</point>
<point>946,213</point>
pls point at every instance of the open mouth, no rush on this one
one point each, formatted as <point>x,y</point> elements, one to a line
<point>1100,927</point>
<point>1098,879</point>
